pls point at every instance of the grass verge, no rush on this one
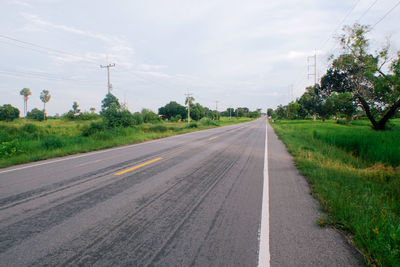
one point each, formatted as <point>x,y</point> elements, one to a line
<point>354,173</point>
<point>27,141</point>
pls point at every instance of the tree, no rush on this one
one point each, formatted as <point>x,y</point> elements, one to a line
<point>35,114</point>
<point>108,101</point>
<point>281,112</point>
<point>341,104</point>
<point>26,92</point>
<point>92,110</point>
<point>45,97</point>
<point>292,110</point>
<point>75,108</point>
<point>197,111</point>
<point>172,109</point>
<point>372,79</point>
<point>270,112</point>
<point>8,113</point>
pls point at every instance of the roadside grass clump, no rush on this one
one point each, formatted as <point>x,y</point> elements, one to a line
<point>208,122</point>
<point>360,191</point>
<point>192,125</point>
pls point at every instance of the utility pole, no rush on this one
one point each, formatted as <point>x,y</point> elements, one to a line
<point>230,113</point>
<point>312,66</point>
<point>108,75</point>
<point>188,96</point>
<point>216,110</point>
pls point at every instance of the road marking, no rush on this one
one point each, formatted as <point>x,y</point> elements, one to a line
<point>264,253</point>
<point>138,166</point>
<point>212,138</point>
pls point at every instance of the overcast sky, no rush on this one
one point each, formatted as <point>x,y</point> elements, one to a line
<point>240,53</point>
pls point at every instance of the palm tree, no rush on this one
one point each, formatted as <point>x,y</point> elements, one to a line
<point>26,92</point>
<point>45,97</point>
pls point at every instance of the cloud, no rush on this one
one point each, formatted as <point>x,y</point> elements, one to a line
<point>22,3</point>
<point>115,44</point>
<point>148,67</point>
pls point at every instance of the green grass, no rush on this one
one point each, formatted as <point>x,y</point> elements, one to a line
<point>355,174</point>
<point>26,141</point>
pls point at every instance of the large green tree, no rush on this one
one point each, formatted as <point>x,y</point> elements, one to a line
<point>8,113</point>
<point>45,97</point>
<point>373,79</point>
<point>108,101</point>
<point>172,109</point>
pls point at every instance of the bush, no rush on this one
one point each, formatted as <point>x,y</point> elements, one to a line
<point>114,117</point>
<point>8,113</point>
<point>149,116</point>
<point>51,142</point>
<point>137,118</point>
<point>9,149</point>
<point>158,128</point>
<point>35,114</point>
<point>192,125</point>
<point>93,128</point>
<point>208,122</point>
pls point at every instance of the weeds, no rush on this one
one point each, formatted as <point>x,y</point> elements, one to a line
<point>355,178</point>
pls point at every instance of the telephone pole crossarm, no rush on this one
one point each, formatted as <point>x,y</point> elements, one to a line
<point>109,86</point>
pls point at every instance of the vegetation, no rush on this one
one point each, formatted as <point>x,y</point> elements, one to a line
<point>358,83</point>
<point>8,113</point>
<point>354,172</point>
<point>26,92</point>
<point>45,97</point>
<point>28,140</point>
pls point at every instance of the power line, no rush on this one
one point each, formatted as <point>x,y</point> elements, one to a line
<point>367,10</point>
<point>384,16</point>
<point>344,19</point>
<point>45,49</point>
<point>40,76</point>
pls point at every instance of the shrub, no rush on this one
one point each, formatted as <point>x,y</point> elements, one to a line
<point>51,142</point>
<point>208,122</point>
<point>35,114</point>
<point>115,117</point>
<point>8,149</point>
<point>192,125</point>
<point>93,128</point>
<point>137,118</point>
<point>149,116</point>
<point>158,128</point>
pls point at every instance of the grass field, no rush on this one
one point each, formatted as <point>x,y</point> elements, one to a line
<point>355,174</point>
<point>26,141</point>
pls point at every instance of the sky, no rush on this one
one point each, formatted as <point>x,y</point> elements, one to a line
<point>250,53</point>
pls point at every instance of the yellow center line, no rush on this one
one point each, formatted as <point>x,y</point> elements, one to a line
<point>212,138</point>
<point>138,166</point>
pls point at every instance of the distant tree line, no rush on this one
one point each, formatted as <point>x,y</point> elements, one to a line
<point>113,114</point>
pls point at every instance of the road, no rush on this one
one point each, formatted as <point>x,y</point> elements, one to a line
<point>189,200</point>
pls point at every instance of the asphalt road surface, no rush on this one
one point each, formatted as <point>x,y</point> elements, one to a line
<point>189,200</point>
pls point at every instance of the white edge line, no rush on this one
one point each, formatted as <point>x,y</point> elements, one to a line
<point>90,153</point>
<point>264,253</point>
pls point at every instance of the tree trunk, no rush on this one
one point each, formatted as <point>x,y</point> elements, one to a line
<point>365,106</point>
<point>381,125</point>
<point>44,111</point>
